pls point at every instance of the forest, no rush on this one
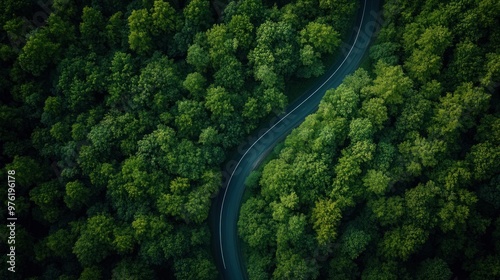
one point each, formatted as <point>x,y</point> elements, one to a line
<point>116,117</point>
<point>397,175</point>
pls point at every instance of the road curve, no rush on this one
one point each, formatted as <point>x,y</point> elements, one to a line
<point>226,207</point>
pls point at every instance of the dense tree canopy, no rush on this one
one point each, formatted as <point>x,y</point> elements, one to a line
<point>397,173</point>
<point>117,116</point>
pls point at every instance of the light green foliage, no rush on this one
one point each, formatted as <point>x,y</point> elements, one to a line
<point>423,65</point>
<point>124,240</point>
<point>311,60</point>
<point>492,69</point>
<point>322,37</point>
<point>344,99</point>
<point>421,152</point>
<point>242,30</point>
<point>276,178</point>
<point>114,32</point>
<point>198,57</point>
<point>218,103</point>
<point>456,211</point>
<point>122,73</point>
<point>77,194</point>
<point>484,159</point>
<point>292,266</point>
<point>456,112</point>
<point>426,61</point>
<point>209,136</point>
<point>139,38</point>
<point>158,84</point>
<point>273,99</point>
<point>403,241</point>
<point>419,201</point>
<point>164,18</point>
<point>266,75</point>
<point>391,84</point>
<point>132,269</point>
<point>354,242</point>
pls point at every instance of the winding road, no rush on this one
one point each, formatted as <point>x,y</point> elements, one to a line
<point>226,207</point>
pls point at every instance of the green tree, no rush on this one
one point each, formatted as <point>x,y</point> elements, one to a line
<point>326,216</point>
<point>401,242</point>
<point>434,269</point>
<point>38,53</point>
<point>218,102</point>
<point>376,181</point>
<point>89,273</point>
<point>388,211</point>
<point>391,84</point>
<point>164,18</point>
<point>292,266</point>
<point>197,14</point>
<point>95,241</point>
<point>360,129</point>
<point>191,117</point>
<point>242,30</point>
<point>199,267</point>
<point>195,83</point>
<point>132,269</point>
<point>114,31</point>
<point>322,37</point>
<point>253,225</point>
<point>354,242</point>
<point>92,28</point>
<point>375,110</point>
<point>198,57</point>
<point>77,194</point>
<point>139,38</point>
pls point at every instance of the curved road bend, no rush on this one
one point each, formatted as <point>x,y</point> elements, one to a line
<point>226,207</point>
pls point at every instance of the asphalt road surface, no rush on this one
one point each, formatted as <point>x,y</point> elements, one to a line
<point>226,207</point>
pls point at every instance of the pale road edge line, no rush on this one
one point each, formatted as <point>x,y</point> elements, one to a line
<point>327,80</point>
